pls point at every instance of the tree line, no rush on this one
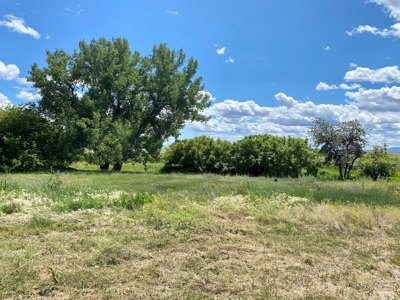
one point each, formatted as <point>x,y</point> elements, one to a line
<point>110,106</point>
<point>256,155</point>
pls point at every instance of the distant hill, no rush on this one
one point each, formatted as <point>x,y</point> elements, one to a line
<point>394,149</point>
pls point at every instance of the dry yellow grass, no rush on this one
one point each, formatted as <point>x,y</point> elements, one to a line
<point>228,248</point>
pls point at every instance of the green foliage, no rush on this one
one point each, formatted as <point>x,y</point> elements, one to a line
<point>199,154</point>
<point>274,156</point>
<point>378,163</point>
<point>341,144</point>
<point>28,141</point>
<point>8,186</point>
<point>133,200</point>
<point>265,155</point>
<point>116,106</point>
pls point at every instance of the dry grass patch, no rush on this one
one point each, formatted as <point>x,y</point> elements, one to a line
<point>236,247</point>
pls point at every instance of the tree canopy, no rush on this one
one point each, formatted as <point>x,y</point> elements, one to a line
<point>378,163</point>
<point>341,144</point>
<point>113,103</point>
<point>28,141</point>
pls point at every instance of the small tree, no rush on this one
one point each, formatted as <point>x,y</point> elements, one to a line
<point>378,163</point>
<point>200,154</point>
<point>28,141</point>
<point>341,144</point>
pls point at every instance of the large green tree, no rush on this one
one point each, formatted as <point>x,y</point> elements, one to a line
<point>341,144</point>
<point>114,103</point>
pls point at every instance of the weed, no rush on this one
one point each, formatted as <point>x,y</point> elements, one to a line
<point>8,186</point>
<point>11,207</point>
<point>38,221</point>
<point>133,200</point>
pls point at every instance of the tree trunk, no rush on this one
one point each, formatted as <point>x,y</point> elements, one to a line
<point>104,167</point>
<point>351,167</point>
<point>117,167</point>
<point>340,172</point>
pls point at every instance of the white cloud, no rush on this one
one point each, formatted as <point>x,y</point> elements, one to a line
<point>383,100</point>
<point>18,25</point>
<point>23,81</point>
<point>24,95</point>
<point>327,48</point>
<point>208,94</point>
<point>8,72</point>
<point>221,51</point>
<point>394,31</point>
<point>292,117</point>
<point>391,6</point>
<point>4,100</point>
<point>345,86</point>
<point>47,37</point>
<point>171,12</point>
<point>353,65</point>
<point>230,60</point>
<point>361,29</point>
<point>386,75</point>
<point>323,86</point>
<point>286,101</point>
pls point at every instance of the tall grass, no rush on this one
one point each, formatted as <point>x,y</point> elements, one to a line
<point>137,235</point>
<point>80,190</point>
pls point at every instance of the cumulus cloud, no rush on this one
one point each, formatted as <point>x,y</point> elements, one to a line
<point>345,86</point>
<point>391,6</point>
<point>18,25</point>
<point>293,117</point>
<point>27,96</point>
<point>207,94</point>
<point>384,99</point>
<point>230,60</point>
<point>4,100</point>
<point>171,12</point>
<point>386,75</point>
<point>353,65</point>
<point>221,51</point>
<point>23,81</point>
<point>290,117</point>
<point>8,72</point>
<point>323,86</point>
<point>327,48</point>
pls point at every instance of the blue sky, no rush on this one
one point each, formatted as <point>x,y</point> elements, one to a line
<point>269,66</point>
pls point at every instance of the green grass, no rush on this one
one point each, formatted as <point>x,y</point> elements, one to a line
<point>136,235</point>
<point>69,186</point>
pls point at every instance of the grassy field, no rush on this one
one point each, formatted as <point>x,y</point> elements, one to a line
<point>136,235</point>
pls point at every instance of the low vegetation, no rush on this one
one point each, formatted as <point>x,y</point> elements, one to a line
<point>137,235</point>
<point>255,155</point>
